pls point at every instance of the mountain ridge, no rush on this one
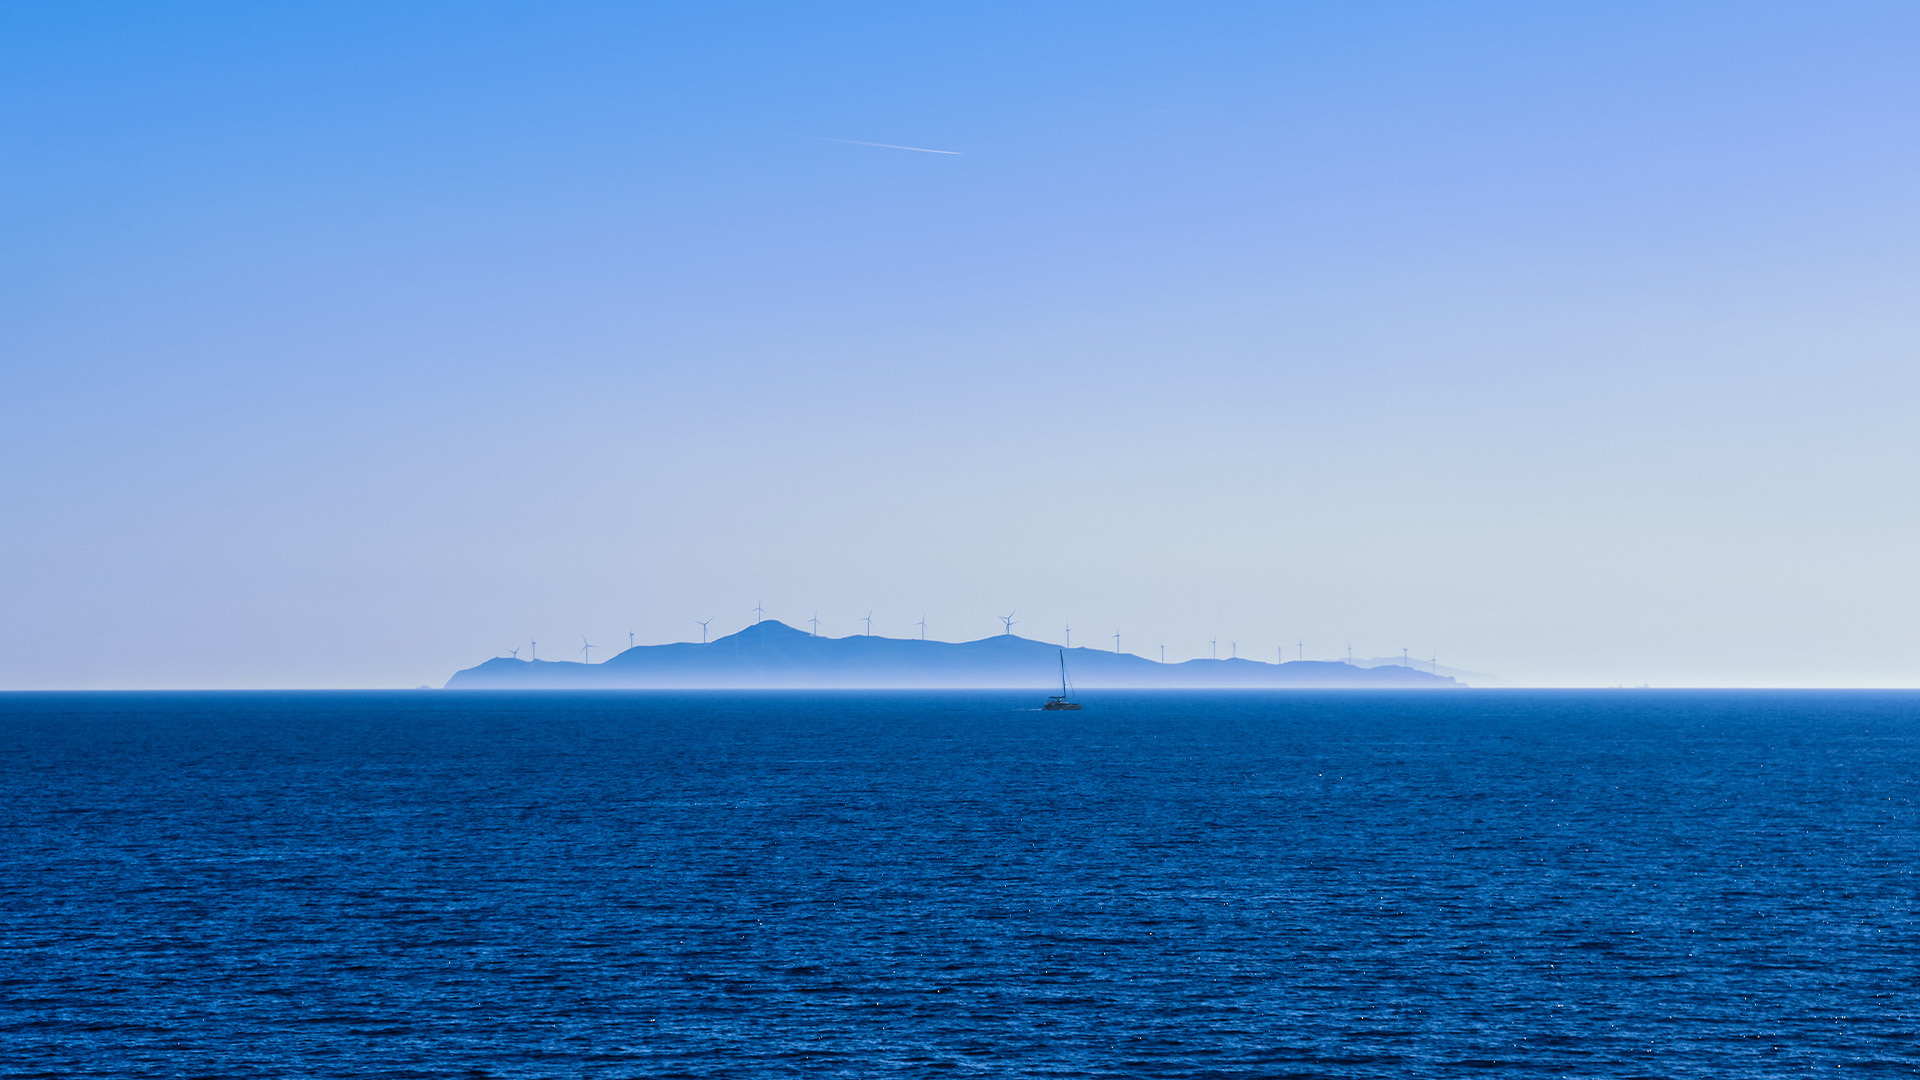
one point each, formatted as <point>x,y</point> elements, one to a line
<point>772,655</point>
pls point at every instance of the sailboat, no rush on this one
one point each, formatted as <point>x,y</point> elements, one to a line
<point>1060,701</point>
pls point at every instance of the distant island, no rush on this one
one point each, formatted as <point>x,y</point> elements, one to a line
<point>771,655</point>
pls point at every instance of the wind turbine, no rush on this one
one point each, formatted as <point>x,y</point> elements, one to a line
<point>1236,650</point>
<point>1116,641</point>
<point>515,652</point>
<point>533,650</point>
<point>758,611</point>
<point>629,639</point>
<point>816,624</point>
<point>869,621</point>
<point>1435,664</point>
<point>1300,650</point>
<point>923,628</point>
<point>586,651</point>
<point>1069,637</point>
<point>1008,619</point>
<point>1163,654</point>
<point>1403,657</point>
<point>1213,647</point>
<point>703,629</point>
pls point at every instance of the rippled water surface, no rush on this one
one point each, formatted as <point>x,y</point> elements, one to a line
<point>1234,885</point>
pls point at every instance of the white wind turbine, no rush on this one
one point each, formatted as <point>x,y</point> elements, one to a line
<point>703,629</point>
<point>586,651</point>
<point>1008,619</point>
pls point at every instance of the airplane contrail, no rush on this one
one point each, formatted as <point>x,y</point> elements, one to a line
<point>891,146</point>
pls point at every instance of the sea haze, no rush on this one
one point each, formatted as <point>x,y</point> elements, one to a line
<point>1224,884</point>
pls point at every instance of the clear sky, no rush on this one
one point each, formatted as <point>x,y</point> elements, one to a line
<point>350,345</point>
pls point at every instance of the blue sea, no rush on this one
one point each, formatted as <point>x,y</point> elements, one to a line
<point>1234,884</point>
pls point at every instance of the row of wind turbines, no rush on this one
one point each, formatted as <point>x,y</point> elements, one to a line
<point>1008,622</point>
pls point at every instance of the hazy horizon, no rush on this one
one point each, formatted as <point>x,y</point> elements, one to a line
<point>349,346</point>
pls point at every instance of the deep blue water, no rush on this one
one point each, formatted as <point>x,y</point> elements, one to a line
<point>1328,884</point>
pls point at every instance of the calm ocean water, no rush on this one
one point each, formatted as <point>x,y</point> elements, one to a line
<point>1474,883</point>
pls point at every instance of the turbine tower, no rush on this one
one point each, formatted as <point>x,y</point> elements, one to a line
<point>1236,650</point>
<point>1008,619</point>
<point>515,652</point>
<point>1213,648</point>
<point>758,611</point>
<point>923,627</point>
<point>586,651</point>
<point>1116,641</point>
<point>869,621</point>
<point>1300,650</point>
<point>703,629</point>
<point>1069,636</point>
<point>1163,654</point>
<point>533,650</point>
<point>816,624</point>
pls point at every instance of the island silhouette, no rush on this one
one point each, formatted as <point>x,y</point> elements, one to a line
<point>772,655</point>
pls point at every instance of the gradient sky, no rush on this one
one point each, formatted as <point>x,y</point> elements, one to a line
<point>351,345</point>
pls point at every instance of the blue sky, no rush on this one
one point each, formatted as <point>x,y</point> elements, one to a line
<point>352,345</point>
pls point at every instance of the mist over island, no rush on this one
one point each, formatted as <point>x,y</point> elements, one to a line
<point>772,655</point>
